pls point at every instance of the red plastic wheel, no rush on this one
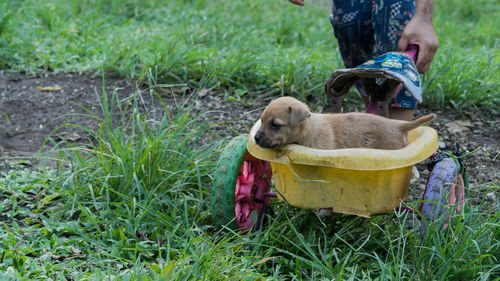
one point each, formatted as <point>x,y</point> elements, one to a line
<point>252,191</point>
<point>242,185</point>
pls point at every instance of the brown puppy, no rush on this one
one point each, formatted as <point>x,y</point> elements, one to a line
<point>287,120</point>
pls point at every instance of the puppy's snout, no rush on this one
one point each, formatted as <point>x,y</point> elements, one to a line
<point>257,137</point>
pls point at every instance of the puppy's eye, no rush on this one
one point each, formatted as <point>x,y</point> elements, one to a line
<point>275,126</point>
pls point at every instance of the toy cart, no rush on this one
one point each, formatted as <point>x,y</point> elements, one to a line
<point>356,181</point>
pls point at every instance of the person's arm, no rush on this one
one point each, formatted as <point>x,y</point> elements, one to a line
<point>420,31</point>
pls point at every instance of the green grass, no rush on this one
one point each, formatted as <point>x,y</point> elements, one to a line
<point>237,45</point>
<point>134,204</point>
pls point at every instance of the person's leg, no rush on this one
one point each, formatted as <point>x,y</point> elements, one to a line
<point>353,28</point>
<point>390,19</point>
<point>401,113</point>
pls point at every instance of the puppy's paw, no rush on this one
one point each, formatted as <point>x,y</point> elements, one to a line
<point>325,212</point>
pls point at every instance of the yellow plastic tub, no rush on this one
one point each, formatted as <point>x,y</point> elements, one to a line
<point>356,181</point>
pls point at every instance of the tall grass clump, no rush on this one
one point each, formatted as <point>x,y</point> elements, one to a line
<point>463,87</point>
<point>143,163</point>
<point>141,190</point>
<point>463,73</point>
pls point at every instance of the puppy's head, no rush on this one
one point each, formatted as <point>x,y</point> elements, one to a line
<point>282,122</point>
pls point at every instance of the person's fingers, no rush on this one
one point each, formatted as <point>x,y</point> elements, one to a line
<point>426,66</point>
<point>297,2</point>
<point>422,59</point>
<point>425,56</point>
<point>403,44</point>
<point>422,68</point>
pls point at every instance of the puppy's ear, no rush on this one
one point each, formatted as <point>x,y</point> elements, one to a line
<point>298,113</point>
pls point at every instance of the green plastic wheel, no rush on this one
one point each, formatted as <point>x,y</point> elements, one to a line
<point>241,187</point>
<point>226,175</point>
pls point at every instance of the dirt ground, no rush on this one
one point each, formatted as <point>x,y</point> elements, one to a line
<point>32,107</point>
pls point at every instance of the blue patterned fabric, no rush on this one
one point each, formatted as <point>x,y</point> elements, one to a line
<point>401,66</point>
<point>369,28</point>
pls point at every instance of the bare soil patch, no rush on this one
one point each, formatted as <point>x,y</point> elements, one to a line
<point>32,107</point>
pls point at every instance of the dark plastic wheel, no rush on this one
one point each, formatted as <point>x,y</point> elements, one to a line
<point>241,188</point>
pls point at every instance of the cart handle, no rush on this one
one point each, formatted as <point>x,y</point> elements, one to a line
<point>412,51</point>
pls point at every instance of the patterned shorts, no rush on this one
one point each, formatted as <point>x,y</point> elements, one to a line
<point>368,28</point>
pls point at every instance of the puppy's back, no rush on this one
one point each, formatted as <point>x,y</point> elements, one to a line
<point>361,130</point>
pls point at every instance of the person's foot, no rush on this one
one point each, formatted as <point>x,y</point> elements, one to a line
<point>324,212</point>
<point>415,175</point>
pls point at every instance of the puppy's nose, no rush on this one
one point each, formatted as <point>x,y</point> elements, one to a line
<point>257,137</point>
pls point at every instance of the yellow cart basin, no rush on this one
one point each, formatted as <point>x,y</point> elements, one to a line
<point>357,181</point>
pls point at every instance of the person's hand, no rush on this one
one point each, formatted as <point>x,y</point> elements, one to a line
<point>297,2</point>
<point>420,31</point>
